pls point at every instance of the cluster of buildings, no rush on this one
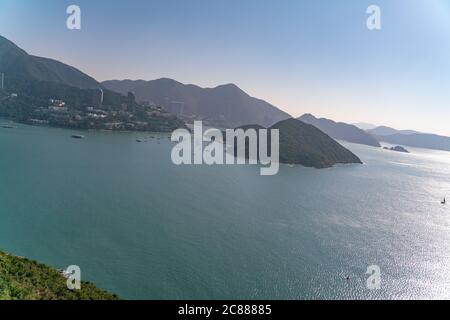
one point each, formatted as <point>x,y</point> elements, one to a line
<point>122,113</point>
<point>129,116</point>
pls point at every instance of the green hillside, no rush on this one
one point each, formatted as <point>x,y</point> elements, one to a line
<point>43,78</point>
<point>302,143</point>
<point>33,86</point>
<point>225,106</point>
<point>17,64</point>
<point>23,279</point>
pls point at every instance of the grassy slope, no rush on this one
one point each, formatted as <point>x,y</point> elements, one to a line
<point>23,279</point>
<point>302,143</point>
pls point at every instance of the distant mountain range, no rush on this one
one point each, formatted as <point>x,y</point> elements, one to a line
<point>387,131</point>
<point>341,131</point>
<point>371,137</point>
<point>418,140</point>
<point>365,125</point>
<point>411,138</point>
<point>225,106</point>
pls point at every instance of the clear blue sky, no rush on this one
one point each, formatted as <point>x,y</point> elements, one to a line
<point>302,56</point>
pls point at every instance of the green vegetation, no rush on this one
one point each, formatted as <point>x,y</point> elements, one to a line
<point>304,144</point>
<point>23,279</point>
<point>225,106</point>
<point>41,91</point>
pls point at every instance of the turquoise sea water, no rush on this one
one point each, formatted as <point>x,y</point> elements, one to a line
<point>141,227</point>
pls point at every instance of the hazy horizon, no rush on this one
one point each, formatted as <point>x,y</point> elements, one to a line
<point>302,57</point>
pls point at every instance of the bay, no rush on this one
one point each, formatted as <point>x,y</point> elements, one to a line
<point>143,228</point>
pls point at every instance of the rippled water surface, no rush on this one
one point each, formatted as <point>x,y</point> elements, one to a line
<point>143,228</point>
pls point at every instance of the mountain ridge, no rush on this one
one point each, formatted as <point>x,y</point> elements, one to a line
<point>340,130</point>
<point>411,138</point>
<point>419,140</point>
<point>304,144</point>
<point>364,125</point>
<point>33,85</point>
<point>20,68</point>
<point>386,131</point>
<point>225,106</point>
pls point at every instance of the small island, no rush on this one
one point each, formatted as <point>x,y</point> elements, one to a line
<point>303,144</point>
<point>397,149</point>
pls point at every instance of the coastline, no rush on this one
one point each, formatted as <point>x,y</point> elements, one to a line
<point>25,279</point>
<point>12,121</point>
